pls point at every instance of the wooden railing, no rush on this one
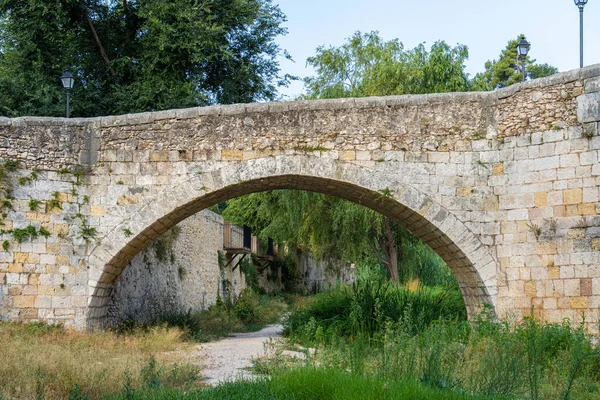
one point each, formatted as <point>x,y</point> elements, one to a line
<point>233,236</point>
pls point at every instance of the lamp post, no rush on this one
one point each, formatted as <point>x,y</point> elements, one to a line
<point>67,82</point>
<point>580,4</point>
<point>522,51</point>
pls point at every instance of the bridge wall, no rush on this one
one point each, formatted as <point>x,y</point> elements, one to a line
<point>503,185</point>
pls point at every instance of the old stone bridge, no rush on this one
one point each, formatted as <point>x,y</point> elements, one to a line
<point>503,185</point>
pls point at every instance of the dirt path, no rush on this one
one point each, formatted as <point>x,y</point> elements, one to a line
<point>230,358</point>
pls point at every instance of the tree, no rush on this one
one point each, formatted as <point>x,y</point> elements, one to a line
<point>366,65</point>
<point>506,70</point>
<point>132,56</point>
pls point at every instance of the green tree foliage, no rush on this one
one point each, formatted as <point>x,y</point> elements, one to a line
<point>331,227</point>
<point>131,56</point>
<point>366,65</point>
<point>506,70</point>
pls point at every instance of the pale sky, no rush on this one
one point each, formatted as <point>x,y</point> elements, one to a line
<point>551,26</point>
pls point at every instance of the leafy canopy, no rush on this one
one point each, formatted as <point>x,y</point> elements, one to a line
<point>366,65</point>
<point>133,56</point>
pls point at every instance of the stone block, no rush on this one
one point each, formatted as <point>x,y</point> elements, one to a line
<point>232,155</point>
<point>127,200</point>
<point>592,85</point>
<point>23,301</point>
<point>586,287</point>
<point>586,209</point>
<point>579,303</point>
<point>97,211</point>
<point>541,199</point>
<point>588,107</point>
<point>573,196</point>
<point>159,156</point>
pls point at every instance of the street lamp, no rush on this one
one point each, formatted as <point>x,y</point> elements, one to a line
<point>67,82</point>
<point>522,50</point>
<point>580,4</point>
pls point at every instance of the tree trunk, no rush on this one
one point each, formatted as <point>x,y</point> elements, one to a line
<point>98,43</point>
<point>391,252</point>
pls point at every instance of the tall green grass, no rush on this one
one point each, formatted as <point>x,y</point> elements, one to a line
<point>308,383</point>
<point>367,307</point>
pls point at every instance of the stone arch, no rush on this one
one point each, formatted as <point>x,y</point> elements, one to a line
<point>469,259</point>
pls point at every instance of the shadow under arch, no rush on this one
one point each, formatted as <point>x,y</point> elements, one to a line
<point>378,189</point>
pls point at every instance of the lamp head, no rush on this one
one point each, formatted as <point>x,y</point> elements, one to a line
<point>523,47</point>
<point>67,80</point>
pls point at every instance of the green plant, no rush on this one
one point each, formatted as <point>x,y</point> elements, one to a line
<point>87,232</point>
<point>5,245</point>
<point>120,182</point>
<point>181,272</point>
<point>34,204</point>
<point>483,164</point>
<point>11,165</point>
<point>310,149</point>
<point>7,204</point>
<point>537,230</point>
<point>21,234</point>
<point>44,232</point>
<point>54,202</point>
<point>587,132</point>
<point>127,232</point>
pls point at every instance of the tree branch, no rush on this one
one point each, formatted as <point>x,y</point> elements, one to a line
<point>97,40</point>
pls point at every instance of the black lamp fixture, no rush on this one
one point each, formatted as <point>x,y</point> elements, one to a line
<point>580,4</point>
<point>67,82</point>
<point>522,51</point>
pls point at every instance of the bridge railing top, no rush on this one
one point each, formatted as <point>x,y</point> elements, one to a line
<point>491,97</point>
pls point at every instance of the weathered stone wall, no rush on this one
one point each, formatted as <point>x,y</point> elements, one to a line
<point>503,185</point>
<point>317,275</point>
<point>176,273</point>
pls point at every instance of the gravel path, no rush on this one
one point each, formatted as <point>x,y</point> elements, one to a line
<point>230,358</point>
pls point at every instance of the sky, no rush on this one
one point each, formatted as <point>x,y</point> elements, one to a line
<point>551,26</point>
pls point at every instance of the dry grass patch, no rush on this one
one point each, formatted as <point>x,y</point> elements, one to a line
<point>42,361</point>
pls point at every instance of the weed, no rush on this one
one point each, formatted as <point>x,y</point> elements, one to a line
<point>34,204</point>
<point>127,232</point>
<point>386,193</point>
<point>87,232</point>
<point>5,245</point>
<point>44,232</point>
<point>483,164</point>
<point>86,199</point>
<point>7,204</point>
<point>587,132</point>
<point>310,149</point>
<point>537,231</point>
<point>21,234</point>
<point>479,134</point>
<point>54,202</point>
<point>11,165</point>
<point>181,272</point>
<point>120,182</point>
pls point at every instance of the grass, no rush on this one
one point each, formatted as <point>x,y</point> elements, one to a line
<point>489,358</point>
<point>309,383</point>
<point>44,361</point>
<point>366,307</point>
